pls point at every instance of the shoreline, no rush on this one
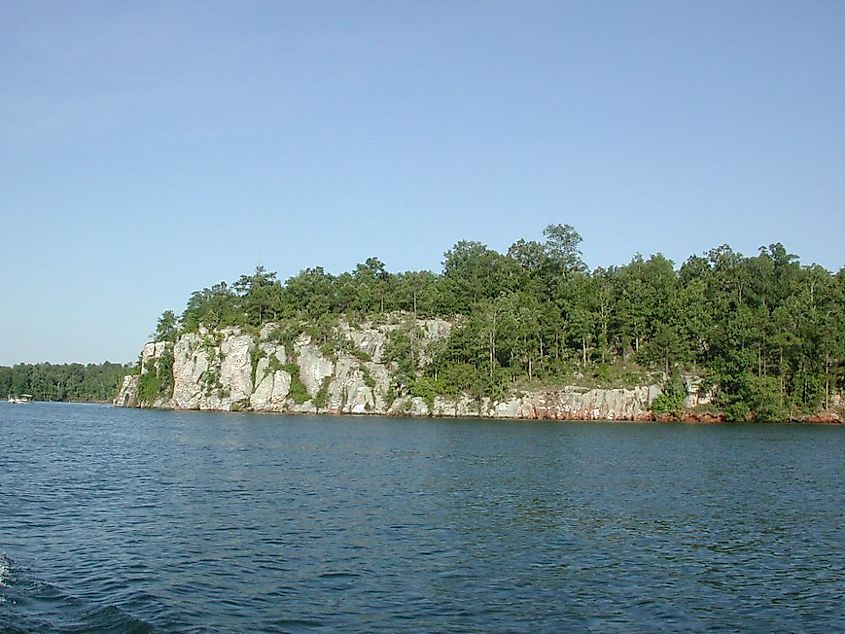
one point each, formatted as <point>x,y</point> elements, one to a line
<point>827,418</point>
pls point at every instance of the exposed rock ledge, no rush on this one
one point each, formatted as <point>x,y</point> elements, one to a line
<point>232,370</point>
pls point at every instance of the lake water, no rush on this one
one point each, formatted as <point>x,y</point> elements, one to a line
<point>144,521</point>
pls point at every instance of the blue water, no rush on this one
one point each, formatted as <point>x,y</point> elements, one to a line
<point>143,521</point>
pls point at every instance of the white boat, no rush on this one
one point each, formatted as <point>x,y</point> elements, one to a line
<point>19,400</point>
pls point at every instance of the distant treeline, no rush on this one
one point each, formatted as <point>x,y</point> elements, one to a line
<point>66,382</point>
<point>768,332</point>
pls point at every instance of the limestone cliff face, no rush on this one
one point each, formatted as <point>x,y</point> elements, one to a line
<point>212,370</point>
<point>234,370</point>
<point>127,395</point>
<point>567,403</point>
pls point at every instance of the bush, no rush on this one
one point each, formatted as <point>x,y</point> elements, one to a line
<point>321,399</point>
<point>369,381</point>
<point>361,355</point>
<point>425,388</point>
<point>298,391</point>
<point>765,400</point>
<point>671,401</point>
<point>157,380</point>
<point>164,371</point>
<point>255,355</point>
<point>149,388</point>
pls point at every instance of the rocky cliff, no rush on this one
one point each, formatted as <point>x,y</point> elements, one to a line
<point>274,371</point>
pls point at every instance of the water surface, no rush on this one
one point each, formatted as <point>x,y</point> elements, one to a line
<point>145,521</point>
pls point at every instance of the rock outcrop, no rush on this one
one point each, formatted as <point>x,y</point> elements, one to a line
<point>234,370</point>
<point>127,395</point>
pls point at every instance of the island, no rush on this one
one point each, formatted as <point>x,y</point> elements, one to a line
<point>530,334</point>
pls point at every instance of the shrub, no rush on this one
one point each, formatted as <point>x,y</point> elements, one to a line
<point>298,391</point>
<point>321,399</point>
<point>149,388</point>
<point>671,401</point>
<point>369,381</point>
<point>425,388</point>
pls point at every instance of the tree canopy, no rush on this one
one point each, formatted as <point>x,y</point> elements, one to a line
<point>64,382</point>
<point>768,332</point>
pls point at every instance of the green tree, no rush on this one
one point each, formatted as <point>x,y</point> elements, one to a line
<point>260,296</point>
<point>562,251</point>
<point>472,273</point>
<point>167,327</point>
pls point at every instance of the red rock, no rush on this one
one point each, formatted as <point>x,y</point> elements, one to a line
<point>825,417</point>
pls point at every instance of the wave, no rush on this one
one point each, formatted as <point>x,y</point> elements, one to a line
<point>31,605</point>
<point>5,575</point>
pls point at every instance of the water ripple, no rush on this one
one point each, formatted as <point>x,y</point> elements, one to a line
<point>125,520</point>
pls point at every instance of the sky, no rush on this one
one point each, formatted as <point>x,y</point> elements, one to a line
<point>150,149</point>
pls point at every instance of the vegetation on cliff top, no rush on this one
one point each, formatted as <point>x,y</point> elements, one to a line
<point>767,331</point>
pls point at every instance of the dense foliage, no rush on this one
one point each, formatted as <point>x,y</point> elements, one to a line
<point>768,332</point>
<point>67,382</point>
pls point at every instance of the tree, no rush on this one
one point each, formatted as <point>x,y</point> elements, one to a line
<point>66,382</point>
<point>212,307</point>
<point>311,293</point>
<point>371,282</point>
<point>418,293</point>
<point>767,330</point>
<point>561,249</point>
<point>529,255</point>
<point>167,327</point>
<point>260,296</point>
<point>472,272</point>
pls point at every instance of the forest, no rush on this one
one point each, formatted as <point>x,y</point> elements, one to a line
<point>64,382</point>
<point>766,332</point>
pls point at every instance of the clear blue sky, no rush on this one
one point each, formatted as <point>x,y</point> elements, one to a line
<point>149,149</point>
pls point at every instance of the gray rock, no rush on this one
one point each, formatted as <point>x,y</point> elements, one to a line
<point>314,368</point>
<point>127,395</point>
<point>271,393</point>
<point>214,371</point>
